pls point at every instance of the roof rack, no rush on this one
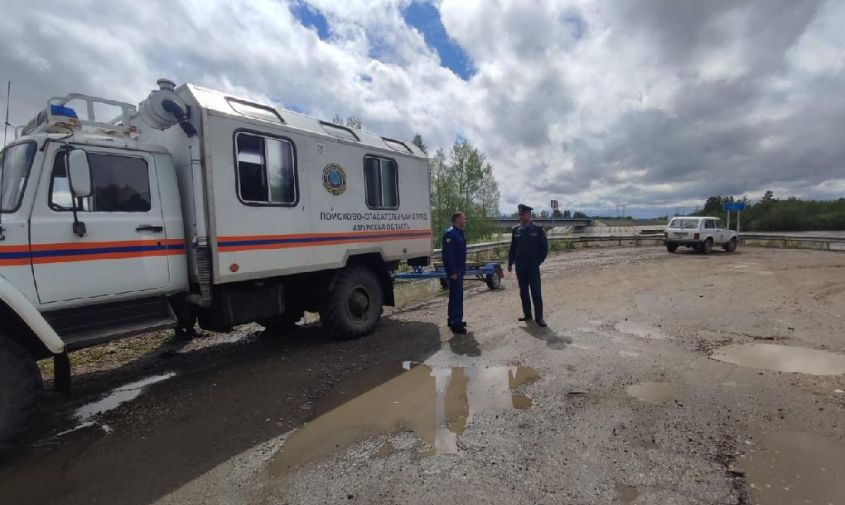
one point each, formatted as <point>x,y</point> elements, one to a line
<point>58,113</point>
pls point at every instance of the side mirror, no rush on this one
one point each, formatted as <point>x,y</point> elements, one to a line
<point>80,174</point>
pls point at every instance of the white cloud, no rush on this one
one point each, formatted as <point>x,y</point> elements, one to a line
<point>649,103</point>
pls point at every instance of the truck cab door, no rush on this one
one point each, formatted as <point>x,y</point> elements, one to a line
<point>124,248</point>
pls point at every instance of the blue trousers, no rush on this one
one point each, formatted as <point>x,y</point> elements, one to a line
<point>528,277</point>
<point>456,300</point>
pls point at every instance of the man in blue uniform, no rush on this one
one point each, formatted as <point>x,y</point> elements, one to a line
<point>529,248</point>
<point>455,263</point>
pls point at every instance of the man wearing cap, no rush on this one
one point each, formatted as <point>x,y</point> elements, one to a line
<point>455,264</point>
<point>529,248</point>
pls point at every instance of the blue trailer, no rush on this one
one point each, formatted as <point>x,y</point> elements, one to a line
<point>491,273</point>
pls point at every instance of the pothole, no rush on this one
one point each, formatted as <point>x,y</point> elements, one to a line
<point>436,404</point>
<point>782,358</point>
<point>641,330</point>
<point>793,467</point>
<point>654,392</point>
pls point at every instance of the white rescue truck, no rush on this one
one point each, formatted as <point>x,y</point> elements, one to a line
<point>194,206</point>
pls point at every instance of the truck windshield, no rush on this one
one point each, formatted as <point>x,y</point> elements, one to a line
<point>15,162</point>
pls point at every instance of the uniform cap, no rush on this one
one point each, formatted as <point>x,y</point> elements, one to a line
<point>524,208</point>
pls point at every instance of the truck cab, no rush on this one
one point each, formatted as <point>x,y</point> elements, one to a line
<point>195,208</point>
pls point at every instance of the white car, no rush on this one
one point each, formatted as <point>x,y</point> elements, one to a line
<point>699,233</point>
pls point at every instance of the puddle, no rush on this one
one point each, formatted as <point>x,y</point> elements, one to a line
<point>116,398</point>
<point>436,404</point>
<point>789,468</point>
<point>782,358</point>
<point>653,392</point>
<point>640,330</point>
<point>628,493</point>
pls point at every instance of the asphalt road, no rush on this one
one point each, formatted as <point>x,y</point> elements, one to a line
<point>621,400</point>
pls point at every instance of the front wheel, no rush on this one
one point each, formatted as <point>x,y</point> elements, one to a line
<point>20,389</point>
<point>671,247</point>
<point>354,303</point>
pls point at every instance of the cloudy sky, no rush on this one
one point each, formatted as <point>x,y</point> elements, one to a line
<point>654,104</point>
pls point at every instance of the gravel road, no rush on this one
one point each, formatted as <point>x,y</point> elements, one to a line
<point>662,378</point>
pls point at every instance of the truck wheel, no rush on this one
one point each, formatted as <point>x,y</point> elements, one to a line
<point>731,246</point>
<point>707,246</point>
<point>355,303</point>
<point>671,247</point>
<point>493,281</point>
<point>20,389</point>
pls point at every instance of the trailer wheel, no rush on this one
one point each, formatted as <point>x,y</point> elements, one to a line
<point>20,389</point>
<point>730,246</point>
<point>354,303</point>
<point>493,281</point>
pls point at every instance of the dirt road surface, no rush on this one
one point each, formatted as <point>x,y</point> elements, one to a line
<point>661,378</point>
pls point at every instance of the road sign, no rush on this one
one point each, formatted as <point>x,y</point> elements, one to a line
<point>733,206</point>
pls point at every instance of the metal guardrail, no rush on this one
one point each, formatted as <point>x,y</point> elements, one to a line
<point>784,241</point>
<point>819,242</point>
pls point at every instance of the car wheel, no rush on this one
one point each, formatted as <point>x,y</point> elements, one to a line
<point>707,246</point>
<point>731,246</point>
<point>671,247</point>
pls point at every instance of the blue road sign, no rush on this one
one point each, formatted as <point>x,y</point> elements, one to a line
<point>736,206</point>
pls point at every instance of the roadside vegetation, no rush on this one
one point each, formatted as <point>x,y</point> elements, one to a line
<point>462,179</point>
<point>791,214</point>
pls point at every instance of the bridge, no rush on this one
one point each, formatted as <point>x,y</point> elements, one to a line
<point>506,223</point>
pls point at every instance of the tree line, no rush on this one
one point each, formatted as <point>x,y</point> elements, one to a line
<point>773,214</point>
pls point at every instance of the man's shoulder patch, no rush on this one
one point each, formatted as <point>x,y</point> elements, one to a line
<point>448,240</point>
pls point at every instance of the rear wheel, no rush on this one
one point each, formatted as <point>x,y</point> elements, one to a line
<point>354,303</point>
<point>731,246</point>
<point>20,389</point>
<point>671,247</point>
<point>707,246</point>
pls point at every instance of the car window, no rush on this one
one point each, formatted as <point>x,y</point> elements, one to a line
<point>684,224</point>
<point>709,224</point>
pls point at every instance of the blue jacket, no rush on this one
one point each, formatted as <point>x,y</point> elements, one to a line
<point>529,245</point>
<point>454,251</point>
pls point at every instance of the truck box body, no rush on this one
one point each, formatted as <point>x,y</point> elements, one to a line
<point>313,226</point>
